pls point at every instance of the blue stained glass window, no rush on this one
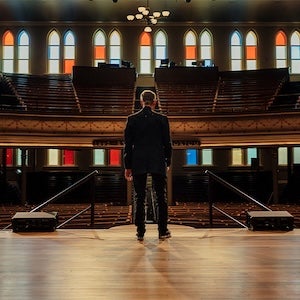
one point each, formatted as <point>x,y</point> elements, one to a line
<point>191,157</point>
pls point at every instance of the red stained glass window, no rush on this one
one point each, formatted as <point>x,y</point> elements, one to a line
<point>251,52</point>
<point>115,157</point>
<point>190,52</point>
<point>100,52</point>
<point>68,158</point>
<point>8,39</point>
<point>145,39</point>
<point>9,157</point>
<point>68,66</point>
<point>280,39</point>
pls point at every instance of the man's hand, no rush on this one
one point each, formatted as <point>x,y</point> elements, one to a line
<point>128,174</point>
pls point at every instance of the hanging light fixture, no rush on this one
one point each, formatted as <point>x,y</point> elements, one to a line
<point>151,18</point>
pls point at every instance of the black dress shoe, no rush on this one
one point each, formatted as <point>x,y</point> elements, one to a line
<point>164,235</point>
<point>140,237</point>
<point>140,234</point>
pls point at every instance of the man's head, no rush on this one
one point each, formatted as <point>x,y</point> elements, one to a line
<point>148,98</point>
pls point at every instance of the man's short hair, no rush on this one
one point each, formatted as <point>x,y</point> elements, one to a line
<point>148,96</point>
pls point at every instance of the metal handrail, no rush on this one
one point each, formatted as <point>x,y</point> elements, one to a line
<point>73,217</point>
<point>232,188</point>
<point>65,191</point>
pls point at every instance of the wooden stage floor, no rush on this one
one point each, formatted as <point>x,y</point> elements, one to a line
<point>110,264</point>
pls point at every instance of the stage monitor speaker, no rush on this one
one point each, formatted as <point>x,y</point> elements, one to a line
<point>270,220</point>
<point>34,221</point>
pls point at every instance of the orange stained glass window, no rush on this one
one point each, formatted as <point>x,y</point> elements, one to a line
<point>280,39</point>
<point>145,39</point>
<point>114,157</point>
<point>251,52</point>
<point>9,157</point>
<point>68,66</point>
<point>190,52</point>
<point>68,158</point>
<point>99,52</point>
<point>8,39</point>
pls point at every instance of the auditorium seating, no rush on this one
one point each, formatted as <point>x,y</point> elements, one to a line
<point>195,214</point>
<point>45,93</point>
<point>288,98</point>
<point>181,91</point>
<point>249,90</point>
<point>186,90</point>
<point>105,91</point>
<point>105,100</point>
<point>9,99</point>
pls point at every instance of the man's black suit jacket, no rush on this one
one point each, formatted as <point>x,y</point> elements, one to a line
<point>148,145</point>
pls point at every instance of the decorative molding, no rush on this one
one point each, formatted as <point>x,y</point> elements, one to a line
<point>207,130</point>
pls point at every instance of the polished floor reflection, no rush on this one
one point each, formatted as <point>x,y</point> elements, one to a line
<point>111,264</point>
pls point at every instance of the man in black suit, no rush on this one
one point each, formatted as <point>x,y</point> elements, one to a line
<point>148,150</point>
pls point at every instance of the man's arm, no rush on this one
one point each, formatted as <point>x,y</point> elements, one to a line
<point>167,142</point>
<point>127,157</point>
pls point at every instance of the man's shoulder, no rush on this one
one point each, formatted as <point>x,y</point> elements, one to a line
<point>159,114</point>
<point>136,114</point>
<point>154,112</point>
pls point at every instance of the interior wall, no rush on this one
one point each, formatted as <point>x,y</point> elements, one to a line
<point>130,41</point>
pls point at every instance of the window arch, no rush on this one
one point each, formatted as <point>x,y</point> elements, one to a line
<point>190,48</point>
<point>281,50</point>
<point>236,51</point>
<point>145,53</point>
<point>160,48</point>
<point>53,52</point>
<point>69,52</point>
<point>99,48</point>
<point>8,42</point>
<point>251,51</point>
<point>205,45</point>
<point>295,53</point>
<point>115,48</point>
<point>23,52</point>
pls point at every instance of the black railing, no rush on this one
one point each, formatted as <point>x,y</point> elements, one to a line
<point>69,189</point>
<point>212,176</point>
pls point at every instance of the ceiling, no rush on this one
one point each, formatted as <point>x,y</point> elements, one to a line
<point>181,10</point>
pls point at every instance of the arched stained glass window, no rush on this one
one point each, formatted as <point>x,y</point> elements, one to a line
<point>295,53</point>
<point>8,42</point>
<point>69,52</point>
<point>115,48</point>
<point>236,51</point>
<point>190,48</point>
<point>251,51</point>
<point>205,45</point>
<point>145,53</point>
<point>281,50</point>
<point>23,52</point>
<point>99,48</point>
<point>160,43</point>
<point>53,53</point>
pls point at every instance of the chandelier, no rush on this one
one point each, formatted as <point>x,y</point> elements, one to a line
<point>144,14</point>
